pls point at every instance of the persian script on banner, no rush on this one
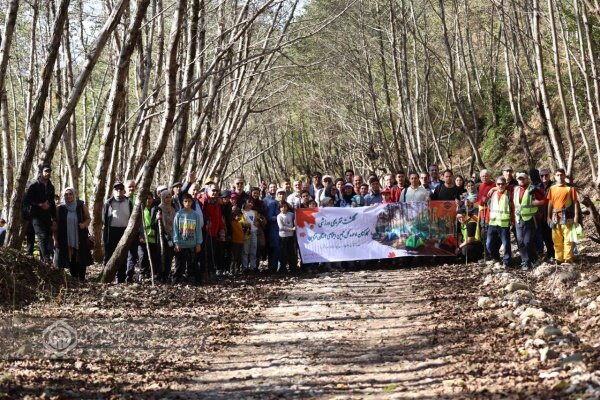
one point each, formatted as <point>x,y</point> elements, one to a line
<point>380,231</point>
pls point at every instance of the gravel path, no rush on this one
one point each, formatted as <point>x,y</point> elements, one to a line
<point>341,335</point>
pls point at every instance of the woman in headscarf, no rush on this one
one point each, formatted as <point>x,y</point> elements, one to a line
<point>163,216</point>
<point>71,236</point>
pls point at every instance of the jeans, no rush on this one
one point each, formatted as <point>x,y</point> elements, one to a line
<point>526,241</point>
<point>42,232</point>
<point>497,235</point>
<point>133,256</point>
<point>274,254</point>
<point>114,235</point>
<point>249,254</point>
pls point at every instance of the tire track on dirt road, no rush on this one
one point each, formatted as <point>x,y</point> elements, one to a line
<point>338,335</point>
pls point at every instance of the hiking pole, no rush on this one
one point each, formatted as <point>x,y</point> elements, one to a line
<point>162,245</point>
<point>148,249</point>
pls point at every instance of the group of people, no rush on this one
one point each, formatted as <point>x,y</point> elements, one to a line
<point>210,231</point>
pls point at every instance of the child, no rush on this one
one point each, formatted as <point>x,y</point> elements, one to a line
<point>237,241</point>
<point>187,237</point>
<point>287,252</point>
<point>250,245</point>
<point>387,196</point>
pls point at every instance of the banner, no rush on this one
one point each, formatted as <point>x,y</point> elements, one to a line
<point>379,231</point>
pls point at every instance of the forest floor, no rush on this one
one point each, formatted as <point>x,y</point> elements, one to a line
<point>429,331</point>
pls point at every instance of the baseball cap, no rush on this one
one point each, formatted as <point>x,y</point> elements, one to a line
<point>225,193</point>
<point>280,190</point>
<point>349,185</point>
<point>327,177</point>
<point>522,175</point>
<point>118,185</point>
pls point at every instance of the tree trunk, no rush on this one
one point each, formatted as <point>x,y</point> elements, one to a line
<point>33,127</point>
<point>117,95</point>
<point>132,229</point>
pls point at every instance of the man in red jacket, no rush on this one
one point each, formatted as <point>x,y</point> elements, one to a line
<point>215,231</point>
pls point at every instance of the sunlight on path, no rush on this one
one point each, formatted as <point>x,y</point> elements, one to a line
<point>352,334</point>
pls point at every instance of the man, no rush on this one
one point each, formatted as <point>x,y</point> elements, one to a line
<point>544,232</point>
<point>389,184</point>
<point>115,216</point>
<point>304,199</point>
<point>40,207</point>
<point>349,175</point>
<point>215,229</point>
<point>374,196</point>
<point>242,196</point>
<point>327,183</point>
<point>526,199</point>
<point>415,192</point>
<point>401,181</point>
<point>316,184</point>
<point>499,224</point>
<point>286,184</point>
<point>563,212</point>
<point>130,188</point>
<point>357,181</point>
<point>294,198</point>
<point>507,173</point>
<point>434,176</point>
<point>424,181</point>
<point>448,191</point>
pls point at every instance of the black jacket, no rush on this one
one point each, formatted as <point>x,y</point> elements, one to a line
<point>37,192</point>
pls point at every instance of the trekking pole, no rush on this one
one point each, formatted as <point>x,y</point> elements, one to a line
<point>148,249</point>
<point>162,245</point>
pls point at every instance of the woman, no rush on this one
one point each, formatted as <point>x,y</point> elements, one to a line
<point>163,216</point>
<point>71,236</point>
<point>459,181</point>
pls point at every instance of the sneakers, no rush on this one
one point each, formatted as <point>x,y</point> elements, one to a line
<point>524,267</point>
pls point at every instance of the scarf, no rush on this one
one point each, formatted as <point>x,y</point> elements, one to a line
<point>72,222</point>
<point>168,212</point>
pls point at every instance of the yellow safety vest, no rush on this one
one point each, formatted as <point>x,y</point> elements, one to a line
<point>463,228</point>
<point>525,210</point>
<point>500,210</point>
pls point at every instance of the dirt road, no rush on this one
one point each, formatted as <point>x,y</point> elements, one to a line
<point>350,334</point>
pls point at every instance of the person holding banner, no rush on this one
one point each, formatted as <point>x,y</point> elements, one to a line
<point>470,246</point>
